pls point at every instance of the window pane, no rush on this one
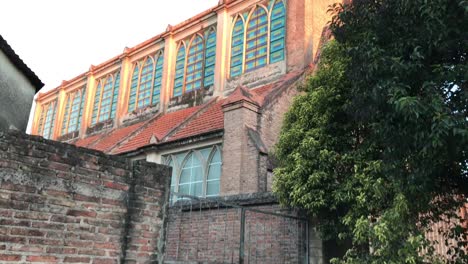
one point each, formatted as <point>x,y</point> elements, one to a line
<point>212,188</point>
<point>185,176</point>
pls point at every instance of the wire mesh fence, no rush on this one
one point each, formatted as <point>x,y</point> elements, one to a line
<point>211,230</point>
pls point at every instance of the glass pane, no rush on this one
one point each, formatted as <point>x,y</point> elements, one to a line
<point>214,171</point>
<point>212,188</point>
<point>197,189</point>
<point>185,189</point>
<point>180,158</point>
<point>185,176</point>
<point>205,152</point>
<point>197,174</point>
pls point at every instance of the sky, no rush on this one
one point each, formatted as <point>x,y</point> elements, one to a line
<point>60,39</point>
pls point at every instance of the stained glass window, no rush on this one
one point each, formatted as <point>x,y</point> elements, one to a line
<point>146,83</point>
<point>195,64</point>
<point>105,99</point>
<point>158,70</point>
<point>180,71</point>
<point>237,47</point>
<point>277,31</point>
<point>73,111</point>
<point>210,58</point>
<point>133,88</point>
<point>256,40</point>
<point>261,40</point>
<point>47,120</point>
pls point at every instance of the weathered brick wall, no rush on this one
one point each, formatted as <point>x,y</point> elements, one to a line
<point>212,234</point>
<point>63,204</point>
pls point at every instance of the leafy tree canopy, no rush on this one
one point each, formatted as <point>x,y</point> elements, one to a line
<point>377,146</point>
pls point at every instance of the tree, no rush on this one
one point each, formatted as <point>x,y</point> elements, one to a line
<point>376,147</point>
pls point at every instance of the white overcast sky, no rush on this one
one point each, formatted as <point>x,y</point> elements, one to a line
<point>60,39</point>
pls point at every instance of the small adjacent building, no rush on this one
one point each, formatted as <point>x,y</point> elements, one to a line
<point>18,85</point>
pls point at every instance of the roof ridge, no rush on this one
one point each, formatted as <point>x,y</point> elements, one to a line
<point>16,60</point>
<point>190,118</point>
<point>241,93</point>
<point>134,133</point>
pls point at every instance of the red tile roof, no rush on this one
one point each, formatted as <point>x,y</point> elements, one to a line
<point>116,136</point>
<point>86,142</point>
<point>159,127</point>
<point>210,120</point>
<point>184,123</point>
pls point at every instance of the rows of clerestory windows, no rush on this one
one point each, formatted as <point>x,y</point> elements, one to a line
<point>257,39</point>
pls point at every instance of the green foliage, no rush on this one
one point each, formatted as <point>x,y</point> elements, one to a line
<point>377,146</point>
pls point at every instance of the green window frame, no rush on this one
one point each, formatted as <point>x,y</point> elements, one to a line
<point>256,47</point>
<point>105,98</point>
<point>73,111</point>
<point>145,88</point>
<point>47,120</point>
<point>258,37</point>
<point>237,47</point>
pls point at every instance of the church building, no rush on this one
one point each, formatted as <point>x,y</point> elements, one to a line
<point>207,97</point>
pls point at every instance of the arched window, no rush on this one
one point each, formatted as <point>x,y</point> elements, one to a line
<point>260,39</point>
<point>196,172</point>
<point>237,47</point>
<point>277,31</point>
<point>158,70</point>
<point>133,88</point>
<point>47,120</point>
<point>105,99</point>
<point>191,176</point>
<point>73,111</point>
<point>146,82</point>
<point>256,46</point>
<point>195,64</point>
<point>180,71</point>
<point>210,58</point>
<point>214,174</point>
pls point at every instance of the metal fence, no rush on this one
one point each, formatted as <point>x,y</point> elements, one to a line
<point>211,230</point>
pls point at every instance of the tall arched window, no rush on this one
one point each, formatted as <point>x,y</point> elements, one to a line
<point>210,58</point>
<point>237,47</point>
<point>277,31</point>
<point>180,71</point>
<point>105,99</point>
<point>158,70</point>
<point>195,64</point>
<point>195,58</point>
<point>146,82</point>
<point>256,47</point>
<point>47,120</point>
<point>73,111</point>
<point>260,39</point>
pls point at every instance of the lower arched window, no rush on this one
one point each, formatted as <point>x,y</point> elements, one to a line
<point>196,172</point>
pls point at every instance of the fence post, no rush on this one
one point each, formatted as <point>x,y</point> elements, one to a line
<point>241,234</point>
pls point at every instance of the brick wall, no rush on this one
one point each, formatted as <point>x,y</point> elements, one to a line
<point>211,234</point>
<point>63,204</point>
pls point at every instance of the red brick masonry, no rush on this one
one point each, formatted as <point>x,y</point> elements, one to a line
<point>64,204</point>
